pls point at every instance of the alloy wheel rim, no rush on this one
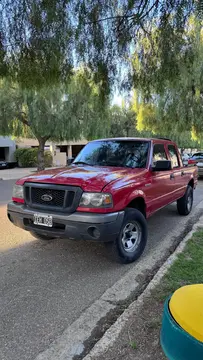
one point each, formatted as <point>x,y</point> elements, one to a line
<point>131,236</point>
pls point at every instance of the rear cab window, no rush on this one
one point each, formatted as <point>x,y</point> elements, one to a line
<point>174,156</point>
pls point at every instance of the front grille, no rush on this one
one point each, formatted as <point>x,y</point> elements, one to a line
<point>57,196</point>
<point>53,197</point>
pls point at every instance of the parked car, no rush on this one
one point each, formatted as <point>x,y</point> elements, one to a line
<point>12,164</point>
<point>185,158</point>
<point>106,194</point>
<point>7,165</point>
<point>3,164</point>
<point>197,159</point>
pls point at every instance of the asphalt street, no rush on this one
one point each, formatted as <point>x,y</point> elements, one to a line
<point>44,287</point>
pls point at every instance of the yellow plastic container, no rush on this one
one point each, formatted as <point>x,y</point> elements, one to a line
<point>186,307</point>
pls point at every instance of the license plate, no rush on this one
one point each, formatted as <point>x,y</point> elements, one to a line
<point>43,220</point>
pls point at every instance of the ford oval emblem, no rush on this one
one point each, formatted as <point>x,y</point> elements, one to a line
<point>46,197</point>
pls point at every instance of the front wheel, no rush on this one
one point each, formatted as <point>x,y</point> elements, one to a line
<point>184,204</point>
<point>42,237</point>
<point>132,238</point>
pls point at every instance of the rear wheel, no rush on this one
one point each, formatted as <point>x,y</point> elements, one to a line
<point>184,204</point>
<point>132,238</point>
<point>41,236</point>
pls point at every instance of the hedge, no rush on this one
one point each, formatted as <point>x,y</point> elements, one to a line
<point>27,157</point>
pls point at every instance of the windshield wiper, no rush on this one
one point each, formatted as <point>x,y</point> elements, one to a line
<point>80,163</point>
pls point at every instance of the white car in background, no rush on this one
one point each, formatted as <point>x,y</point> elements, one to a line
<point>197,158</point>
<point>185,158</point>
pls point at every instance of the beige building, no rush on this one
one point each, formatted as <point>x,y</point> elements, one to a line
<point>62,152</point>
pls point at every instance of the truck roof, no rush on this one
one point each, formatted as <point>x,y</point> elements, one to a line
<point>136,138</point>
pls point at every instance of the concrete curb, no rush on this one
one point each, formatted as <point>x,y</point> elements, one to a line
<point>111,335</point>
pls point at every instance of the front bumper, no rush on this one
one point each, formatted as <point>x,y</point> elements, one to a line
<point>86,226</point>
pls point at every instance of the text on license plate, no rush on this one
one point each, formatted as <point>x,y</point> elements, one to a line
<point>44,220</point>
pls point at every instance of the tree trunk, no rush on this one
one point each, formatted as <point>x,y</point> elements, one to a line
<point>40,155</point>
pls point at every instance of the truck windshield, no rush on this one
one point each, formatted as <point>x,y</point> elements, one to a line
<point>132,154</point>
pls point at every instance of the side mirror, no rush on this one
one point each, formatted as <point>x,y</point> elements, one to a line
<point>162,165</point>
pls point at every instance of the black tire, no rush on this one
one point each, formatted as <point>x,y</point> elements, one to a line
<point>119,249</point>
<point>41,236</point>
<point>184,204</point>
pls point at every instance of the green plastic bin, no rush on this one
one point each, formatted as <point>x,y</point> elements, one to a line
<point>176,343</point>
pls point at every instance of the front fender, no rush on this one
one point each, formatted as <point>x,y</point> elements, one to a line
<point>123,197</point>
<point>135,194</point>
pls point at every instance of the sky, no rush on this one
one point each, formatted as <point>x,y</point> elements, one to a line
<point>117,99</point>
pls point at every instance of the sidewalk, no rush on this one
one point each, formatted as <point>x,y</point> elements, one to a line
<point>139,337</point>
<point>17,173</point>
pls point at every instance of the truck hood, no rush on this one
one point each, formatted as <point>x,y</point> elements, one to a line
<point>89,178</point>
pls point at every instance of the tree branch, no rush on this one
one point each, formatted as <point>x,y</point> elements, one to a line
<point>117,17</point>
<point>139,16</point>
<point>23,119</point>
<point>143,6</point>
<point>155,4</point>
<point>144,30</point>
<point>44,138</point>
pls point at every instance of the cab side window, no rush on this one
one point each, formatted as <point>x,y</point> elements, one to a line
<point>174,156</point>
<point>159,153</point>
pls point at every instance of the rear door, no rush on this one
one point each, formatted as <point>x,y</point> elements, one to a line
<point>162,181</point>
<point>178,172</point>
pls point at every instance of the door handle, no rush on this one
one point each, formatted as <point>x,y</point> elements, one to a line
<point>172,176</point>
<point>182,173</point>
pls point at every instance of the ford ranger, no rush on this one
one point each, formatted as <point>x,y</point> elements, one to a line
<point>106,194</point>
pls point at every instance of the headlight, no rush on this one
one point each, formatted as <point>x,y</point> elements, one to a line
<point>18,192</point>
<point>96,200</point>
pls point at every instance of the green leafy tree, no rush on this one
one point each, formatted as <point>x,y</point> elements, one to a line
<point>170,102</point>
<point>122,121</point>
<point>41,41</point>
<point>57,113</point>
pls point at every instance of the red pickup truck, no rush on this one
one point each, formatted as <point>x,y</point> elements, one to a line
<point>106,194</point>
